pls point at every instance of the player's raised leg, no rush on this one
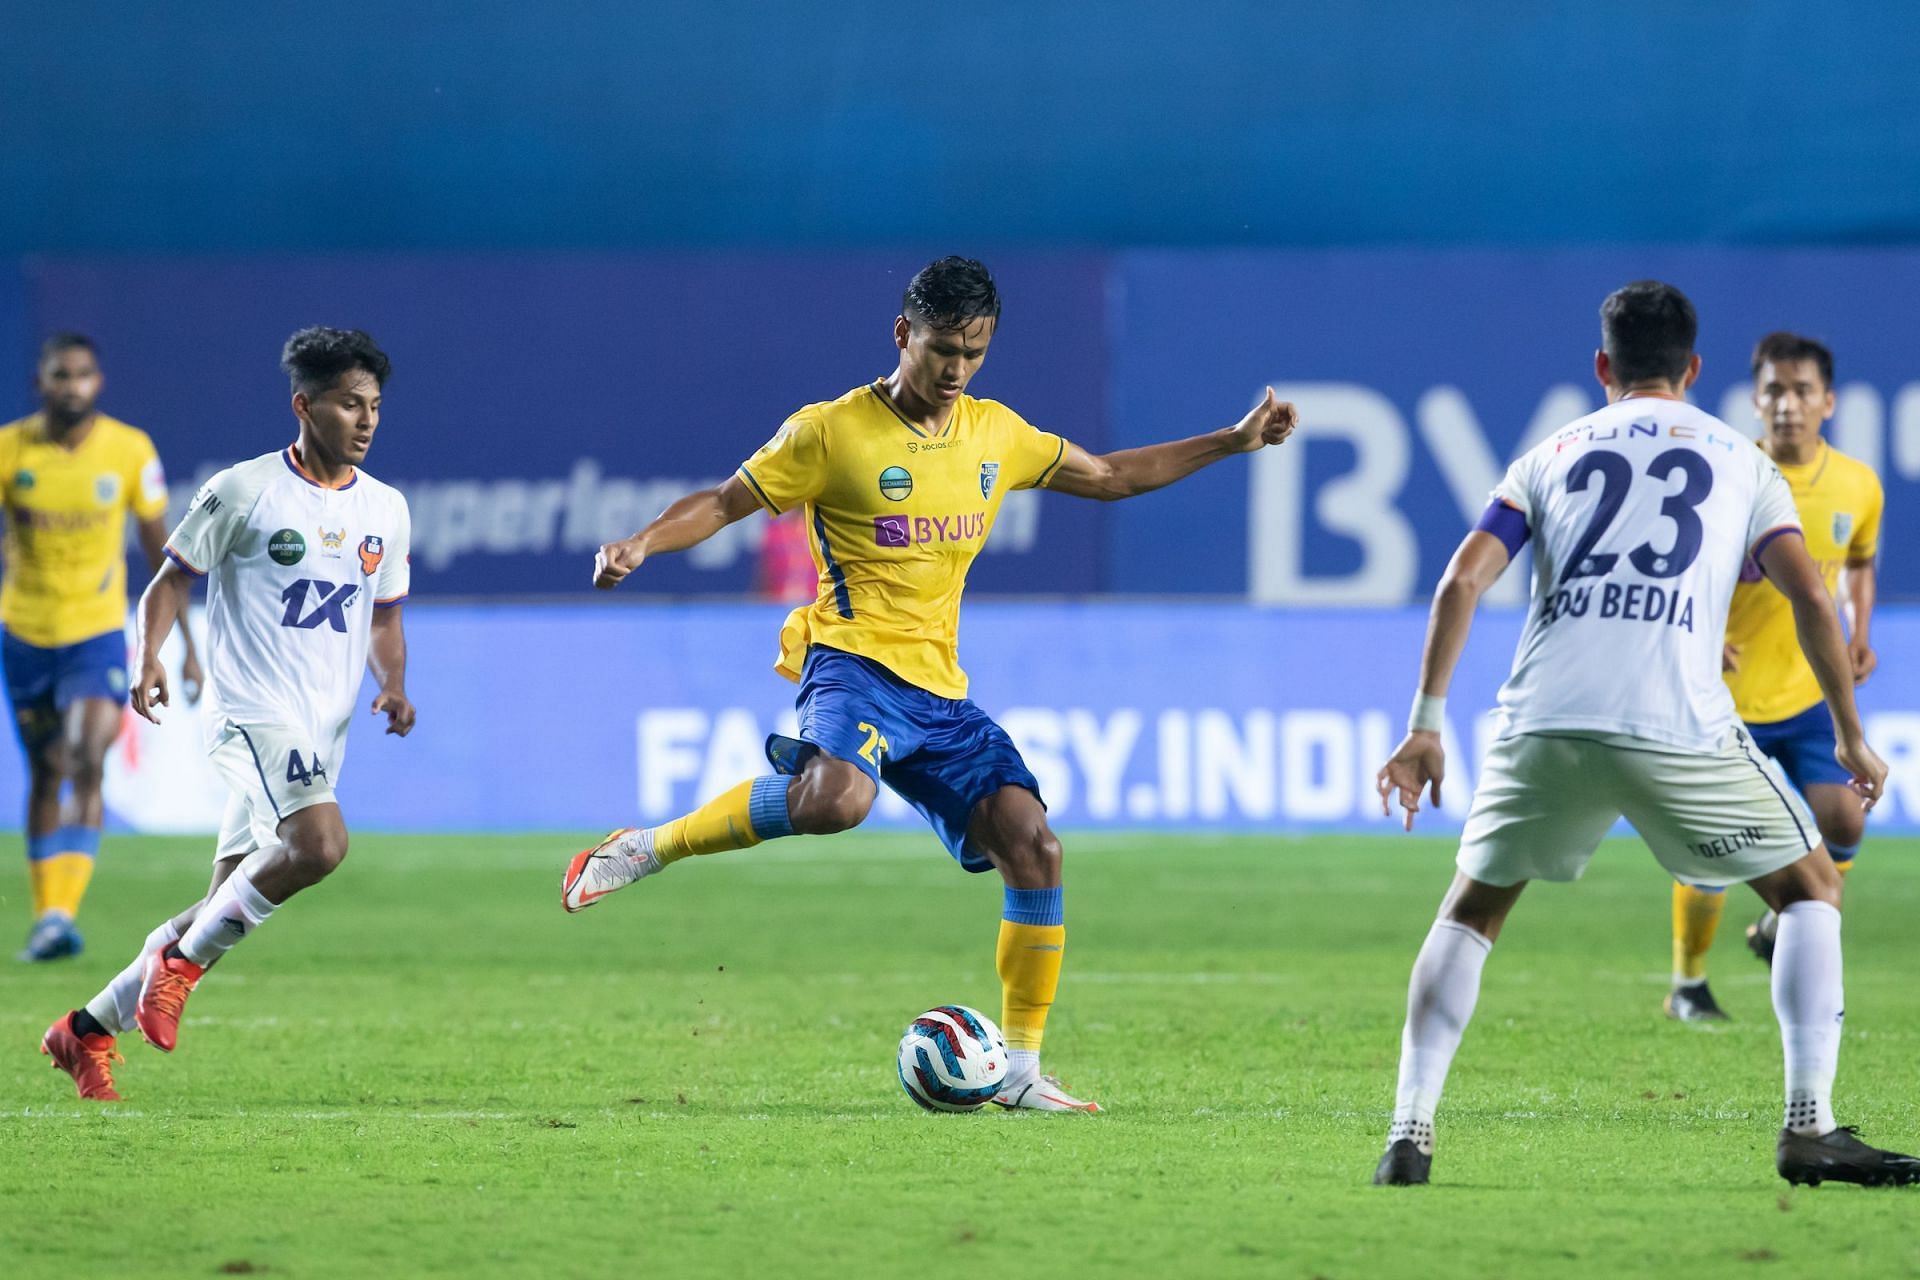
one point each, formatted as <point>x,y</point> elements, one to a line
<point>1696,919</point>
<point>1441,995</point>
<point>1808,997</point>
<point>1010,829</point>
<point>827,796</point>
<point>312,844</point>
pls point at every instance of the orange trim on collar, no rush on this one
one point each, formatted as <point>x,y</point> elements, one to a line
<point>293,460</point>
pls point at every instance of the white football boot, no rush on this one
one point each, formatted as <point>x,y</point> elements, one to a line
<point>614,863</point>
<point>1040,1093</point>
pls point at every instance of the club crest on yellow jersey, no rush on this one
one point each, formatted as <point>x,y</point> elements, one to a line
<point>1842,526</point>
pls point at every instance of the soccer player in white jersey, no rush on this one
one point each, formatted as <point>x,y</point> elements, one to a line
<point>305,557</point>
<point>1641,516</point>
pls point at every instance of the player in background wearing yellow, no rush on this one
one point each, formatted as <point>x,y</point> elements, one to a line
<point>69,476</point>
<point>899,482</point>
<point>1774,690</point>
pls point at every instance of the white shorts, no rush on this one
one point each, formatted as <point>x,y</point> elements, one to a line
<point>272,771</point>
<point>1545,802</point>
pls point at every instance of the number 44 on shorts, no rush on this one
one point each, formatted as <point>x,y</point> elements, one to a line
<point>305,772</point>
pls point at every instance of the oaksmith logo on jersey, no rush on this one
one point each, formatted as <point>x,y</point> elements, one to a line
<point>287,547</point>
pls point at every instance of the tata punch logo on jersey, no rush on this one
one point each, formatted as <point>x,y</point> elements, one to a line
<point>909,531</point>
<point>895,484</point>
<point>288,546</point>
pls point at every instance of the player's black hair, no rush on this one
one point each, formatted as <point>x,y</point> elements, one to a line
<point>67,340</point>
<point>951,294</point>
<point>1781,345</point>
<point>1647,329</point>
<point>314,358</point>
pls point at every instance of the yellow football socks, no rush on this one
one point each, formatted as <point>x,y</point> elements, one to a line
<point>737,819</point>
<point>1033,941</point>
<point>1696,919</point>
<point>59,868</point>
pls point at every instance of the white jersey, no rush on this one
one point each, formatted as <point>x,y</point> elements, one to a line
<point>1641,516</point>
<point>294,572</point>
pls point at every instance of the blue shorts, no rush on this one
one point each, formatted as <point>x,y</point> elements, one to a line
<point>943,756</point>
<point>42,683</point>
<point>1803,745</point>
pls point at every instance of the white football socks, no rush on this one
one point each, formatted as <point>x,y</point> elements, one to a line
<point>1810,1003</point>
<point>113,1007</point>
<point>1022,1065</point>
<point>235,910</point>
<point>1440,999</point>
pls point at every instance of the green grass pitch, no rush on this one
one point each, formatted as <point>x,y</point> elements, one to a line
<point>425,1068</point>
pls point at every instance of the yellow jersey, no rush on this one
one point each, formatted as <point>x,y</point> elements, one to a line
<point>895,514</point>
<point>65,574</point>
<point>1839,500</point>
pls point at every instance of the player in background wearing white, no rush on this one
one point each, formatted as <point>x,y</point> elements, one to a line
<point>305,557</point>
<point>1641,515</point>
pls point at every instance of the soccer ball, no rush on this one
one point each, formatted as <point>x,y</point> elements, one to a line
<point>952,1059</point>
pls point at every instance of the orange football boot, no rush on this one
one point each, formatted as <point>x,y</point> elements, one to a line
<point>88,1059</point>
<point>163,995</point>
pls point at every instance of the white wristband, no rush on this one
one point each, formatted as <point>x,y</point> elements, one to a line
<point>1428,713</point>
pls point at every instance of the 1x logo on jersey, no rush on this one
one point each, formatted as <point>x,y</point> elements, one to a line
<point>329,601</point>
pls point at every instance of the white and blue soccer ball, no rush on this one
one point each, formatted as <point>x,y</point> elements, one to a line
<point>952,1059</point>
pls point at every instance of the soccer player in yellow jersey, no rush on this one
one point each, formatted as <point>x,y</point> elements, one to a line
<point>899,482</point>
<point>69,475</point>
<point>1774,690</point>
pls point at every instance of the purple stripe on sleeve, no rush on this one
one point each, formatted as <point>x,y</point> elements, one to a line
<point>180,560</point>
<point>1766,540</point>
<point>1505,523</point>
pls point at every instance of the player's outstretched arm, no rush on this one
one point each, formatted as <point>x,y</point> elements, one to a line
<point>1791,569</point>
<point>688,522</point>
<point>387,661</point>
<point>153,541</point>
<point>1112,476</point>
<point>162,604</point>
<point>1420,763</point>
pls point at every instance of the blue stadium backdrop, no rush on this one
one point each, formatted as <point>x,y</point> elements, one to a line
<point>542,404</point>
<point>1183,715</point>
